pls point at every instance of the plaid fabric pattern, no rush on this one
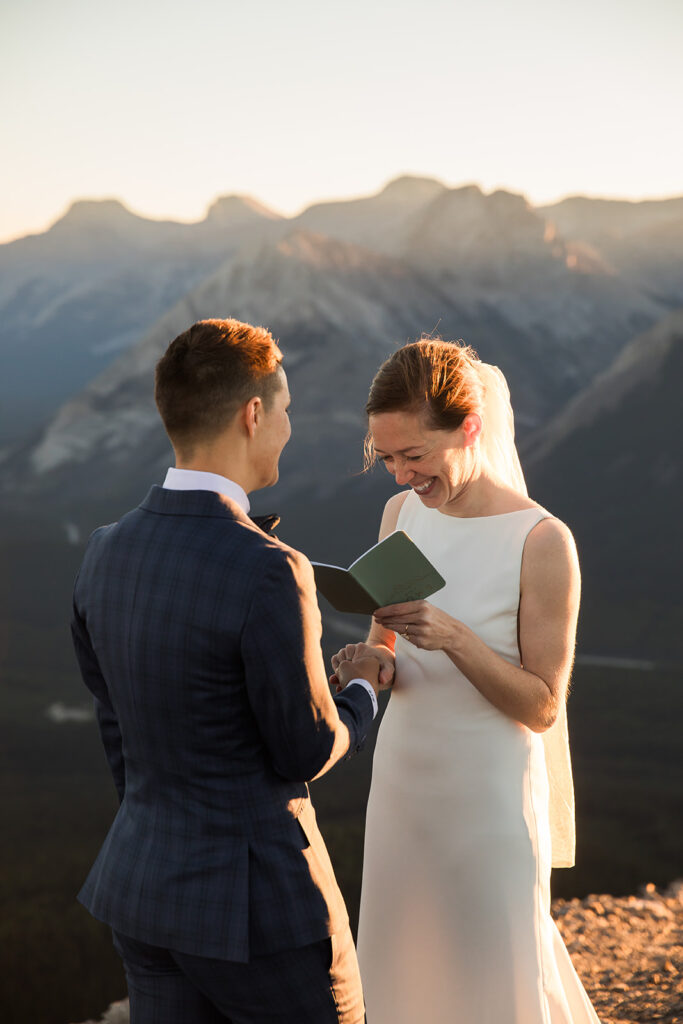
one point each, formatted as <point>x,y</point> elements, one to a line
<point>315,984</point>
<point>199,637</point>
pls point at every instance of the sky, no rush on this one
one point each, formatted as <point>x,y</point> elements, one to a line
<point>168,105</point>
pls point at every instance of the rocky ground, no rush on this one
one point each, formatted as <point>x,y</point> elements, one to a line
<point>628,951</point>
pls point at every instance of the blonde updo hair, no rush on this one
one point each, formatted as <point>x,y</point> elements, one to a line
<point>434,378</point>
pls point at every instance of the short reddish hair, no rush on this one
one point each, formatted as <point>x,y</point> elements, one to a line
<point>208,372</point>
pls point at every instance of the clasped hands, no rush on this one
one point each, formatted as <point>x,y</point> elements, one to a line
<point>363,661</point>
<point>419,622</point>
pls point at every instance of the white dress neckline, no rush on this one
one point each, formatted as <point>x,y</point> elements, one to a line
<point>495,515</point>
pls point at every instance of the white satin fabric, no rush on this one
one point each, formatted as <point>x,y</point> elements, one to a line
<point>455,923</point>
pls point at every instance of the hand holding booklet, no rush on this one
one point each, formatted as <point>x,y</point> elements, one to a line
<point>391,572</point>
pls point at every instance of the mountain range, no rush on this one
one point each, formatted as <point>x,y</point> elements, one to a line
<point>611,465</point>
<point>554,295</point>
<point>75,296</point>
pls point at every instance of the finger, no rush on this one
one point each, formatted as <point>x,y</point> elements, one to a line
<point>406,621</point>
<point>386,674</point>
<point>341,655</point>
<point>398,610</point>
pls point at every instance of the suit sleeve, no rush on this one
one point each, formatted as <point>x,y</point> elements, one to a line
<point>104,711</point>
<point>304,730</point>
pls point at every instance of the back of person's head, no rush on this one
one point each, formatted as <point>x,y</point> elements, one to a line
<point>208,372</point>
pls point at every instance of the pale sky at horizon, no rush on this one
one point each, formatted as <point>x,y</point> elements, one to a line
<point>166,106</point>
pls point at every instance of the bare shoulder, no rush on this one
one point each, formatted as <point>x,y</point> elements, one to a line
<point>550,553</point>
<point>550,535</point>
<point>390,515</point>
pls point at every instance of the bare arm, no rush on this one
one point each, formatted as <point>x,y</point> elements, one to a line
<point>548,611</point>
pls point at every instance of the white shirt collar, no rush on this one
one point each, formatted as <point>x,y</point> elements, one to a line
<point>197,480</point>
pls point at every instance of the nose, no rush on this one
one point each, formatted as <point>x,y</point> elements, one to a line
<point>403,475</point>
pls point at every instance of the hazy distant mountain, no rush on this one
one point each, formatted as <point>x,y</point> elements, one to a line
<point>595,220</point>
<point>337,310</point>
<point>73,297</point>
<point>547,304</point>
<point>495,252</point>
<point>642,241</point>
<point>610,464</point>
<point>97,233</point>
<point>506,266</point>
<point>486,268</point>
<point>379,221</point>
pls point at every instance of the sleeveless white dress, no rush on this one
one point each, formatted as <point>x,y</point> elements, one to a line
<point>455,923</point>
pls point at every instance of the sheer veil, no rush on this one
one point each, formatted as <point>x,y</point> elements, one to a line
<point>500,454</point>
<point>498,434</point>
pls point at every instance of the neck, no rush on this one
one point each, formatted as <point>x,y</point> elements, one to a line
<point>210,460</point>
<point>476,496</point>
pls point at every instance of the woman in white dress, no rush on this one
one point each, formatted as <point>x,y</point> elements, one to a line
<point>471,799</point>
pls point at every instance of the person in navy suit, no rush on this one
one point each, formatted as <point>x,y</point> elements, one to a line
<point>198,634</point>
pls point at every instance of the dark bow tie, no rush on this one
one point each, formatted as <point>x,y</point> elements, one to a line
<point>266,523</point>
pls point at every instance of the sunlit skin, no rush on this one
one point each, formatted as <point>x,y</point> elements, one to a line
<point>445,469</point>
<point>248,450</point>
<point>445,462</point>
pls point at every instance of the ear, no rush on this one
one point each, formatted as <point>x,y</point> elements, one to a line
<point>471,426</point>
<point>252,415</point>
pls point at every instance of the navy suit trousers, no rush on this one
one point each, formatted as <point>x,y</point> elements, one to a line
<point>315,984</point>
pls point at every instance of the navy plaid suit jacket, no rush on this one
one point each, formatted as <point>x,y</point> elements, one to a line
<point>199,636</point>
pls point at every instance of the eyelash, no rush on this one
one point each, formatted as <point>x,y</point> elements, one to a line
<point>409,458</point>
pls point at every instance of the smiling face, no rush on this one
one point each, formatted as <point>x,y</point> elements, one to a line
<point>437,464</point>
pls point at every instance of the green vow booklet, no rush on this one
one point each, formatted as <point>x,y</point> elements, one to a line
<point>393,571</point>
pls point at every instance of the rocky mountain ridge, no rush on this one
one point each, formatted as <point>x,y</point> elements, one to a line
<point>610,464</point>
<point>485,268</point>
<point>555,313</point>
<point>90,287</point>
<point>72,298</point>
<point>643,242</point>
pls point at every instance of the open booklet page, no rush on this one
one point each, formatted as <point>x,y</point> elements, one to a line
<point>392,571</point>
